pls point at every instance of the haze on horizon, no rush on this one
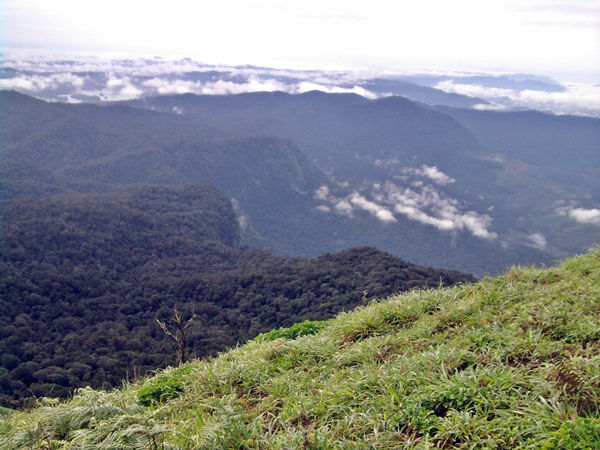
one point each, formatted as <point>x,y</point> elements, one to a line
<point>558,38</point>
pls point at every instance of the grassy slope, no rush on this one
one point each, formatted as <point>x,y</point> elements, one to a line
<point>509,362</point>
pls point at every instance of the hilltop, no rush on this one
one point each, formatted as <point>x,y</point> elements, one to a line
<point>508,362</point>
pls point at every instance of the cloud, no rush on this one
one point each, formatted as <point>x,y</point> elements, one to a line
<point>431,207</point>
<point>307,86</point>
<point>538,240</point>
<point>322,192</point>
<point>120,88</point>
<point>423,204</point>
<point>221,87</point>
<point>343,206</point>
<point>348,204</point>
<point>576,99</point>
<point>164,86</point>
<point>489,107</point>
<point>431,172</point>
<point>37,83</point>
<point>560,12</point>
<point>382,213</point>
<point>581,215</point>
<point>473,90</point>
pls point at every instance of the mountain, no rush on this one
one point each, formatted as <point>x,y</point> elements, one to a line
<point>517,175</point>
<point>509,362</point>
<point>419,93</point>
<point>517,82</point>
<point>86,83</point>
<point>550,165</point>
<point>84,276</point>
<point>307,174</point>
<point>421,166</point>
<point>59,148</point>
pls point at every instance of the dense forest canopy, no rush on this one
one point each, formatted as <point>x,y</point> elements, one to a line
<point>83,278</point>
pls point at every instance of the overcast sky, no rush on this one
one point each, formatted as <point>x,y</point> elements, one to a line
<point>560,38</point>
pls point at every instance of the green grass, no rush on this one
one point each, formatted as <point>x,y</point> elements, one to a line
<point>305,328</point>
<point>507,363</point>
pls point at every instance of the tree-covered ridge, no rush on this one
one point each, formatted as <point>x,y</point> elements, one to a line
<point>507,363</point>
<point>265,156</point>
<point>83,278</point>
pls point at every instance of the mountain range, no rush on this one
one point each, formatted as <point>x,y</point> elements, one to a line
<point>242,209</point>
<point>98,79</point>
<point>320,172</point>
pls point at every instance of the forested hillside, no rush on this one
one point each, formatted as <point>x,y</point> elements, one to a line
<point>308,174</point>
<point>523,170</point>
<point>507,363</point>
<point>83,278</point>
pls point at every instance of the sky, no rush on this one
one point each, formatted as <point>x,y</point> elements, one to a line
<point>560,38</point>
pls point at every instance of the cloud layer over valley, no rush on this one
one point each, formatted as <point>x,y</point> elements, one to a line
<point>415,199</point>
<point>90,78</point>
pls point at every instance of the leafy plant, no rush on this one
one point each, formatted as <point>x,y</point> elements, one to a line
<point>163,387</point>
<point>305,328</point>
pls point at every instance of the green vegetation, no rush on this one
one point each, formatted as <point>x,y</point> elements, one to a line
<point>163,387</point>
<point>84,278</point>
<point>507,363</point>
<point>305,328</point>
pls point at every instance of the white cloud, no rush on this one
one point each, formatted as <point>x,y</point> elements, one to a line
<point>581,215</point>
<point>577,99</point>
<point>322,192</point>
<point>165,86</point>
<point>343,206</point>
<point>307,86</point>
<point>37,83</point>
<point>382,213</point>
<point>489,107</point>
<point>120,88</point>
<point>160,76</point>
<point>431,172</point>
<point>431,207</point>
<point>424,204</point>
<point>128,91</point>
<point>323,208</point>
<point>221,87</point>
<point>538,240</point>
<point>473,90</point>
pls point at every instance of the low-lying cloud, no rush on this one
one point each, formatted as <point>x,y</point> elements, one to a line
<point>576,99</point>
<point>422,203</point>
<point>382,213</point>
<point>430,206</point>
<point>582,215</point>
<point>538,241</point>
<point>37,83</point>
<point>431,172</point>
<point>87,76</point>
